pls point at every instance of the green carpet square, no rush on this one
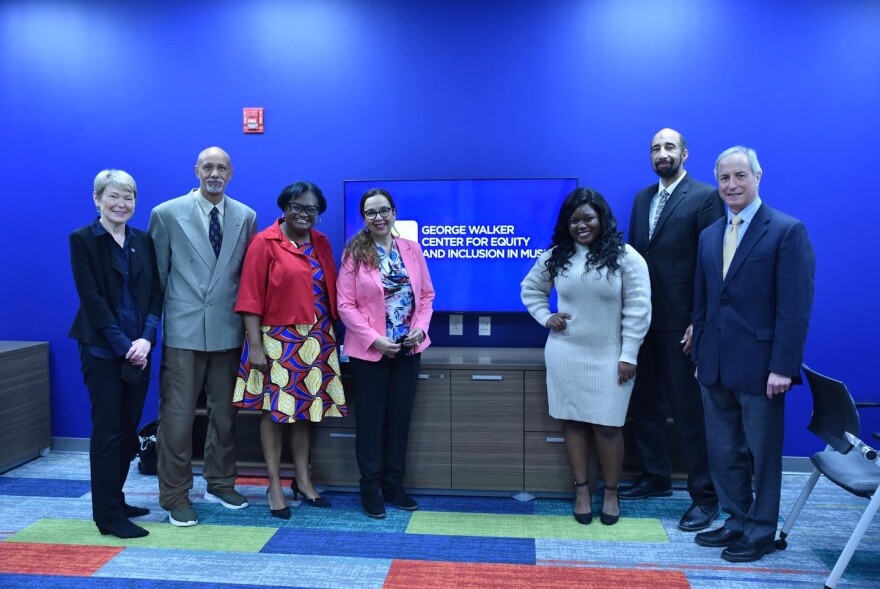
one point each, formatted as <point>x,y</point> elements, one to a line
<point>200,537</point>
<point>534,526</point>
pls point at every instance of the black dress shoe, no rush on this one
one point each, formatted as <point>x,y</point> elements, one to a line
<point>645,488</point>
<point>283,513</point>
<point>133,511</point>
<point>698,517</point>
<point>122,529</point>
<point>744,550</point>
<point>317,501</point>
<point>372,504</point>
<point>584,519</point>
<point>717,538</point>
<point>400,498</point>
<point>608,519</point>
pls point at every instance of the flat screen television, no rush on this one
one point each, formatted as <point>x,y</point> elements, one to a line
<point>480,237</point>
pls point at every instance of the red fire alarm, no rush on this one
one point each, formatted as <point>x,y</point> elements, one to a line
<point>252,120</point>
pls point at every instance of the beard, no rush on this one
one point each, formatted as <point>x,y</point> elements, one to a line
<point>214,187</point>
<point>669,172</point>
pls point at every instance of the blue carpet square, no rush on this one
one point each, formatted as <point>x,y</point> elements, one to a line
<point>27,487</point>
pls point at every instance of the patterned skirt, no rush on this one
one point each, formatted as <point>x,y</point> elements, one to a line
<point>302,380</point>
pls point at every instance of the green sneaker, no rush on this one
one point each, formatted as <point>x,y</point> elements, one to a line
<point>229,499</point>
<point>183,515</point>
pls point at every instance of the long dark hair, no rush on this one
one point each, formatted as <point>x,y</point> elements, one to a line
<point>606,249</point>
<point>361,247</point>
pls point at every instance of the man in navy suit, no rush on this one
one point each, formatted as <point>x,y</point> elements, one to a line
<point>753,296</point>
<point>667,219</point>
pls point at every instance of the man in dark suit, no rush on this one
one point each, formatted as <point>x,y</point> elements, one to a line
<point>664,228</point>
<point>753,297</point>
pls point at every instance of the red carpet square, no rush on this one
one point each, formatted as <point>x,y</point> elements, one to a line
<point>54,559</point>
<point>406,574</point>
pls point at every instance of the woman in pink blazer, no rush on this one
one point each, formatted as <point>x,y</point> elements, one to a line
<point>385,298</point>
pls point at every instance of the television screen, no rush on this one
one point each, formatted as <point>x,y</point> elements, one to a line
<point>480,237</point>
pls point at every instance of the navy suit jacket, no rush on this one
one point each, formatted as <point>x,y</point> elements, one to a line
<point>671,253</point>
<point>754,321</point>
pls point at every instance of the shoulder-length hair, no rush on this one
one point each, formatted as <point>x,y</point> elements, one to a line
<point>361,247</point>
<point>606,249</point>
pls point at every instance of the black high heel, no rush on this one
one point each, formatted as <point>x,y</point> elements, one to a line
<point>583,518</point>
<point>316,502</point>
<point>610,520</point>
<point>283,513</point>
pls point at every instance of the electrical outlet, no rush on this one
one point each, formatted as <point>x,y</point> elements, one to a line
<point>456,325</point>
<point>485,326</point>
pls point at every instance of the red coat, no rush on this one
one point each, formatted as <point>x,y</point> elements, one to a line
<point>276,280</point>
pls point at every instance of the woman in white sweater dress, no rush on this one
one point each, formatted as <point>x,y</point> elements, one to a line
<point>604,300</point>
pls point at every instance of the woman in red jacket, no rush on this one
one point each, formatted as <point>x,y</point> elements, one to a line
<point>289,366</point>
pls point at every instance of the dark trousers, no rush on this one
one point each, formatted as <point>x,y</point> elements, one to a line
<point>666,374</point>
<point>746,427</point>
<point>384,392</point>
<point>117,407</point>
<point>182,376</point>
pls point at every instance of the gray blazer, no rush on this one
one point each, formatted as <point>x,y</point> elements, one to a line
<point>200,289</point>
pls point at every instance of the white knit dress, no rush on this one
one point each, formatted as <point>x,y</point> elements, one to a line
<point>609,320</point>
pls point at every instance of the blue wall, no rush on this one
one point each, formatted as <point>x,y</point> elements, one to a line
<point>437,89</point>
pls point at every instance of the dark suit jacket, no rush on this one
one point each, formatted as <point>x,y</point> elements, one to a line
<point>672,252</point>
<point>99,282</point>
<point>755,320</point>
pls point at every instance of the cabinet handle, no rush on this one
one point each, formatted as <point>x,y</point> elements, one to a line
<point>553,440</point>
<point>424,376</point>
<point>341,435</point>
<point>486,377</point>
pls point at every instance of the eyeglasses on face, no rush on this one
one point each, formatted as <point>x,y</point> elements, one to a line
<point>297,209</point>
<point>384,212</point>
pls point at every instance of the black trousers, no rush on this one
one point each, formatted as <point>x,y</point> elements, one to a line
<point>384,392</point>
<point>117,407</point>
<point>665,373</point>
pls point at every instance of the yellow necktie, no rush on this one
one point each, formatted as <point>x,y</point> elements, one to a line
<point>731,240</point>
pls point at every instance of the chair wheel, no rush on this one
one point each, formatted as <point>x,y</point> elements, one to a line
<point>781,544</point>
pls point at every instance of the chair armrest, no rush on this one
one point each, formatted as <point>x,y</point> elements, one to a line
<point>867,405</point>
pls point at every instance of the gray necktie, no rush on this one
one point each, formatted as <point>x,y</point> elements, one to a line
<point>731,240</point>
<point>664,196</point>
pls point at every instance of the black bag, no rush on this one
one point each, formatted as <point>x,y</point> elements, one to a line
<point>149,459</point>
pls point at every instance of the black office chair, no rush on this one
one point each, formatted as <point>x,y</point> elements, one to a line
<point>846,461</point>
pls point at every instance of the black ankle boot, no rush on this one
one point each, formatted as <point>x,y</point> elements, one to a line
<point>371,502</point>
<point>400,498</point>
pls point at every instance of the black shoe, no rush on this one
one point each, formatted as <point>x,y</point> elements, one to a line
<point>317,501</point>
<point>698,517</point>
<point>645,488</point>
<point>371,502</point>
<point>717,538</point>
<point>133,511</point>
<point>400,498</point>
<point>583,518</point>
<point>283,513</point>
<point>744,550</point>
<point>123,529</point>
<point>606,519</point>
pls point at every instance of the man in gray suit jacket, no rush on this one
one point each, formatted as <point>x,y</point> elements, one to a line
<point>200,241</point>
<point>665,226</point>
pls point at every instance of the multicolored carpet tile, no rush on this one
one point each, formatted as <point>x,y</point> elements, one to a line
<point>49,540</point>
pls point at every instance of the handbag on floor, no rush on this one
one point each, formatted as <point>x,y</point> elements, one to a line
<point>148,459</point>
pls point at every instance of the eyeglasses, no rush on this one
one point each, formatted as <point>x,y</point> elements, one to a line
<point>297,209</point>
<point>384,212</point>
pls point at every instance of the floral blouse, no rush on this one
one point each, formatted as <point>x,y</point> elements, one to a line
<point>399,304</point>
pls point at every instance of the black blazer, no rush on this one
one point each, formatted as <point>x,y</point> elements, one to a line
<point>671,254</point>
<point>99,282</point>
<point>754,321</point>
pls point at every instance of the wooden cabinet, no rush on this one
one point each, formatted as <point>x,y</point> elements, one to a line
<point>25,411</point>
<point>487,429</point>
<point>546,463</point>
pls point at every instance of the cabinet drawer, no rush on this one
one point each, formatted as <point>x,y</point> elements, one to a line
<point>333,459</point>
<point>546,463</point>
<point>537,415</point>
<point>428,459</point>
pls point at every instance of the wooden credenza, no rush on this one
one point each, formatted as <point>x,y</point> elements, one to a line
<point>480,423</point>
<point>25,409</point>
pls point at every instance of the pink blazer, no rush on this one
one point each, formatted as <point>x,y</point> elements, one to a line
<point>360,300</point>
